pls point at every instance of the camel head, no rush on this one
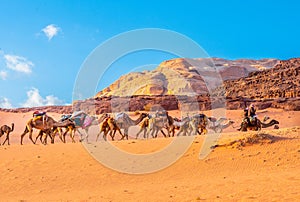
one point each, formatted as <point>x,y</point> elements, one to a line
<point>273,121</point>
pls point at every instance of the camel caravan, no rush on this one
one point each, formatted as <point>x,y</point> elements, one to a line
<point>150,125</point>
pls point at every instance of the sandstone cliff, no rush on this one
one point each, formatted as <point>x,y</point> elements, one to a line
<point>179,84</point>
<point>184,76</point>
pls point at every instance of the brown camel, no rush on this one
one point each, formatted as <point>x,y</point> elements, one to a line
<point>6,129</point>
<point>143,128</point>
<point>271,123</point>
<point>199,121</point>
<point>45,124</point>
<point>256,125</point>
<point>156,124</point>
<point>109,126</point>
<point>95,121</point>
<point>182,125</point>
<point>103,128</point>
<point>69,126</point>
<point>123,121</point>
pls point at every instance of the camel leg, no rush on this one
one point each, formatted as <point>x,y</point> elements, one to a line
<point>164,134</point>
<point>72,134</point>
<point>145,132</point>
<point>98,135</point>
<point>172,131</point>
<point>44,138</point>
<point>87,134</point>
<point>126,133</point>
<point>23,134</point>
<point>112,134</point>
<point>180,131</point>
<point>123,136</point>
<point>141,129</point>
<point>148,132</point>
<point>52,137</point>
<point>60,135</point>
<point>6,139</point>
<point>184,132</point>
<point>105,134</point>
<point>39,136</point>
<point>81,139</point>
<point>30,136</point>
<point>152,133</point>
<point>65,133</point>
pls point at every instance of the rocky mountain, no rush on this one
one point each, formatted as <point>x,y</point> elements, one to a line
<point>281,83</point>
<point>184,76</point>
<point>180,84</point>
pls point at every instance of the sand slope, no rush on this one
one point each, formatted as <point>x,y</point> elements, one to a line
<point>67,172</point>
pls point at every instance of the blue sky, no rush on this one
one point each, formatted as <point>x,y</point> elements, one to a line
<point>44,43</point>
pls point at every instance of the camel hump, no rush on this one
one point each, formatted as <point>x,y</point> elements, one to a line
<point>120,115</point>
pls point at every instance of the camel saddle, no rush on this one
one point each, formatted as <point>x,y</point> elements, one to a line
<point>40,115</point>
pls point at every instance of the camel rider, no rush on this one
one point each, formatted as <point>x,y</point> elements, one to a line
<point>252,112</point>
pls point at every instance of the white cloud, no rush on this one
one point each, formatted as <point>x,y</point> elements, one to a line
<point>18,63</point>
<point>34,99</point>
<point>50,31</point>
<point>4,103</point>
<point>3,75</point>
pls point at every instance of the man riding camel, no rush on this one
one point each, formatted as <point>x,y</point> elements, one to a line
<point>250,114</point>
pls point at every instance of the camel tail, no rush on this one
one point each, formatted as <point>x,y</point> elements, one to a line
<point>12,127</point>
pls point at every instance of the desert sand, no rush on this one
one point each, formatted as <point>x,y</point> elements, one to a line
<point>266,170</point>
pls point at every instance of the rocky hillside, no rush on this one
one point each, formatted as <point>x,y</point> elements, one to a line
<point>281,83</point>
<point>184,76</point>
<point>177,84</point>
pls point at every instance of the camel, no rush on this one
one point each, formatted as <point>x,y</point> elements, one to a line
<point>43,134</point>
<point>156,124</point>
<point>256,125</point>
<point>219,126</point>
<point>6,129</point>
<point>271,123</point>
<point>45,124</point>
<point>70,128</point>
<point>67,124</point>
<point>110,126</point>
<point>81,117</point>
<point>106,126</point>
<point>94,122</point>
<point>198,121</point>
<point>143,128</point>
<point>123,121</point>
<point>182,126</point>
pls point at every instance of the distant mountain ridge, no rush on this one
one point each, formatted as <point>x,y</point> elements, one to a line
<point>267,83</point>
<point>182,76</point>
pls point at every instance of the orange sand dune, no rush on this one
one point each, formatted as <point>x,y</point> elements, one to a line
<point>67,172</point>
